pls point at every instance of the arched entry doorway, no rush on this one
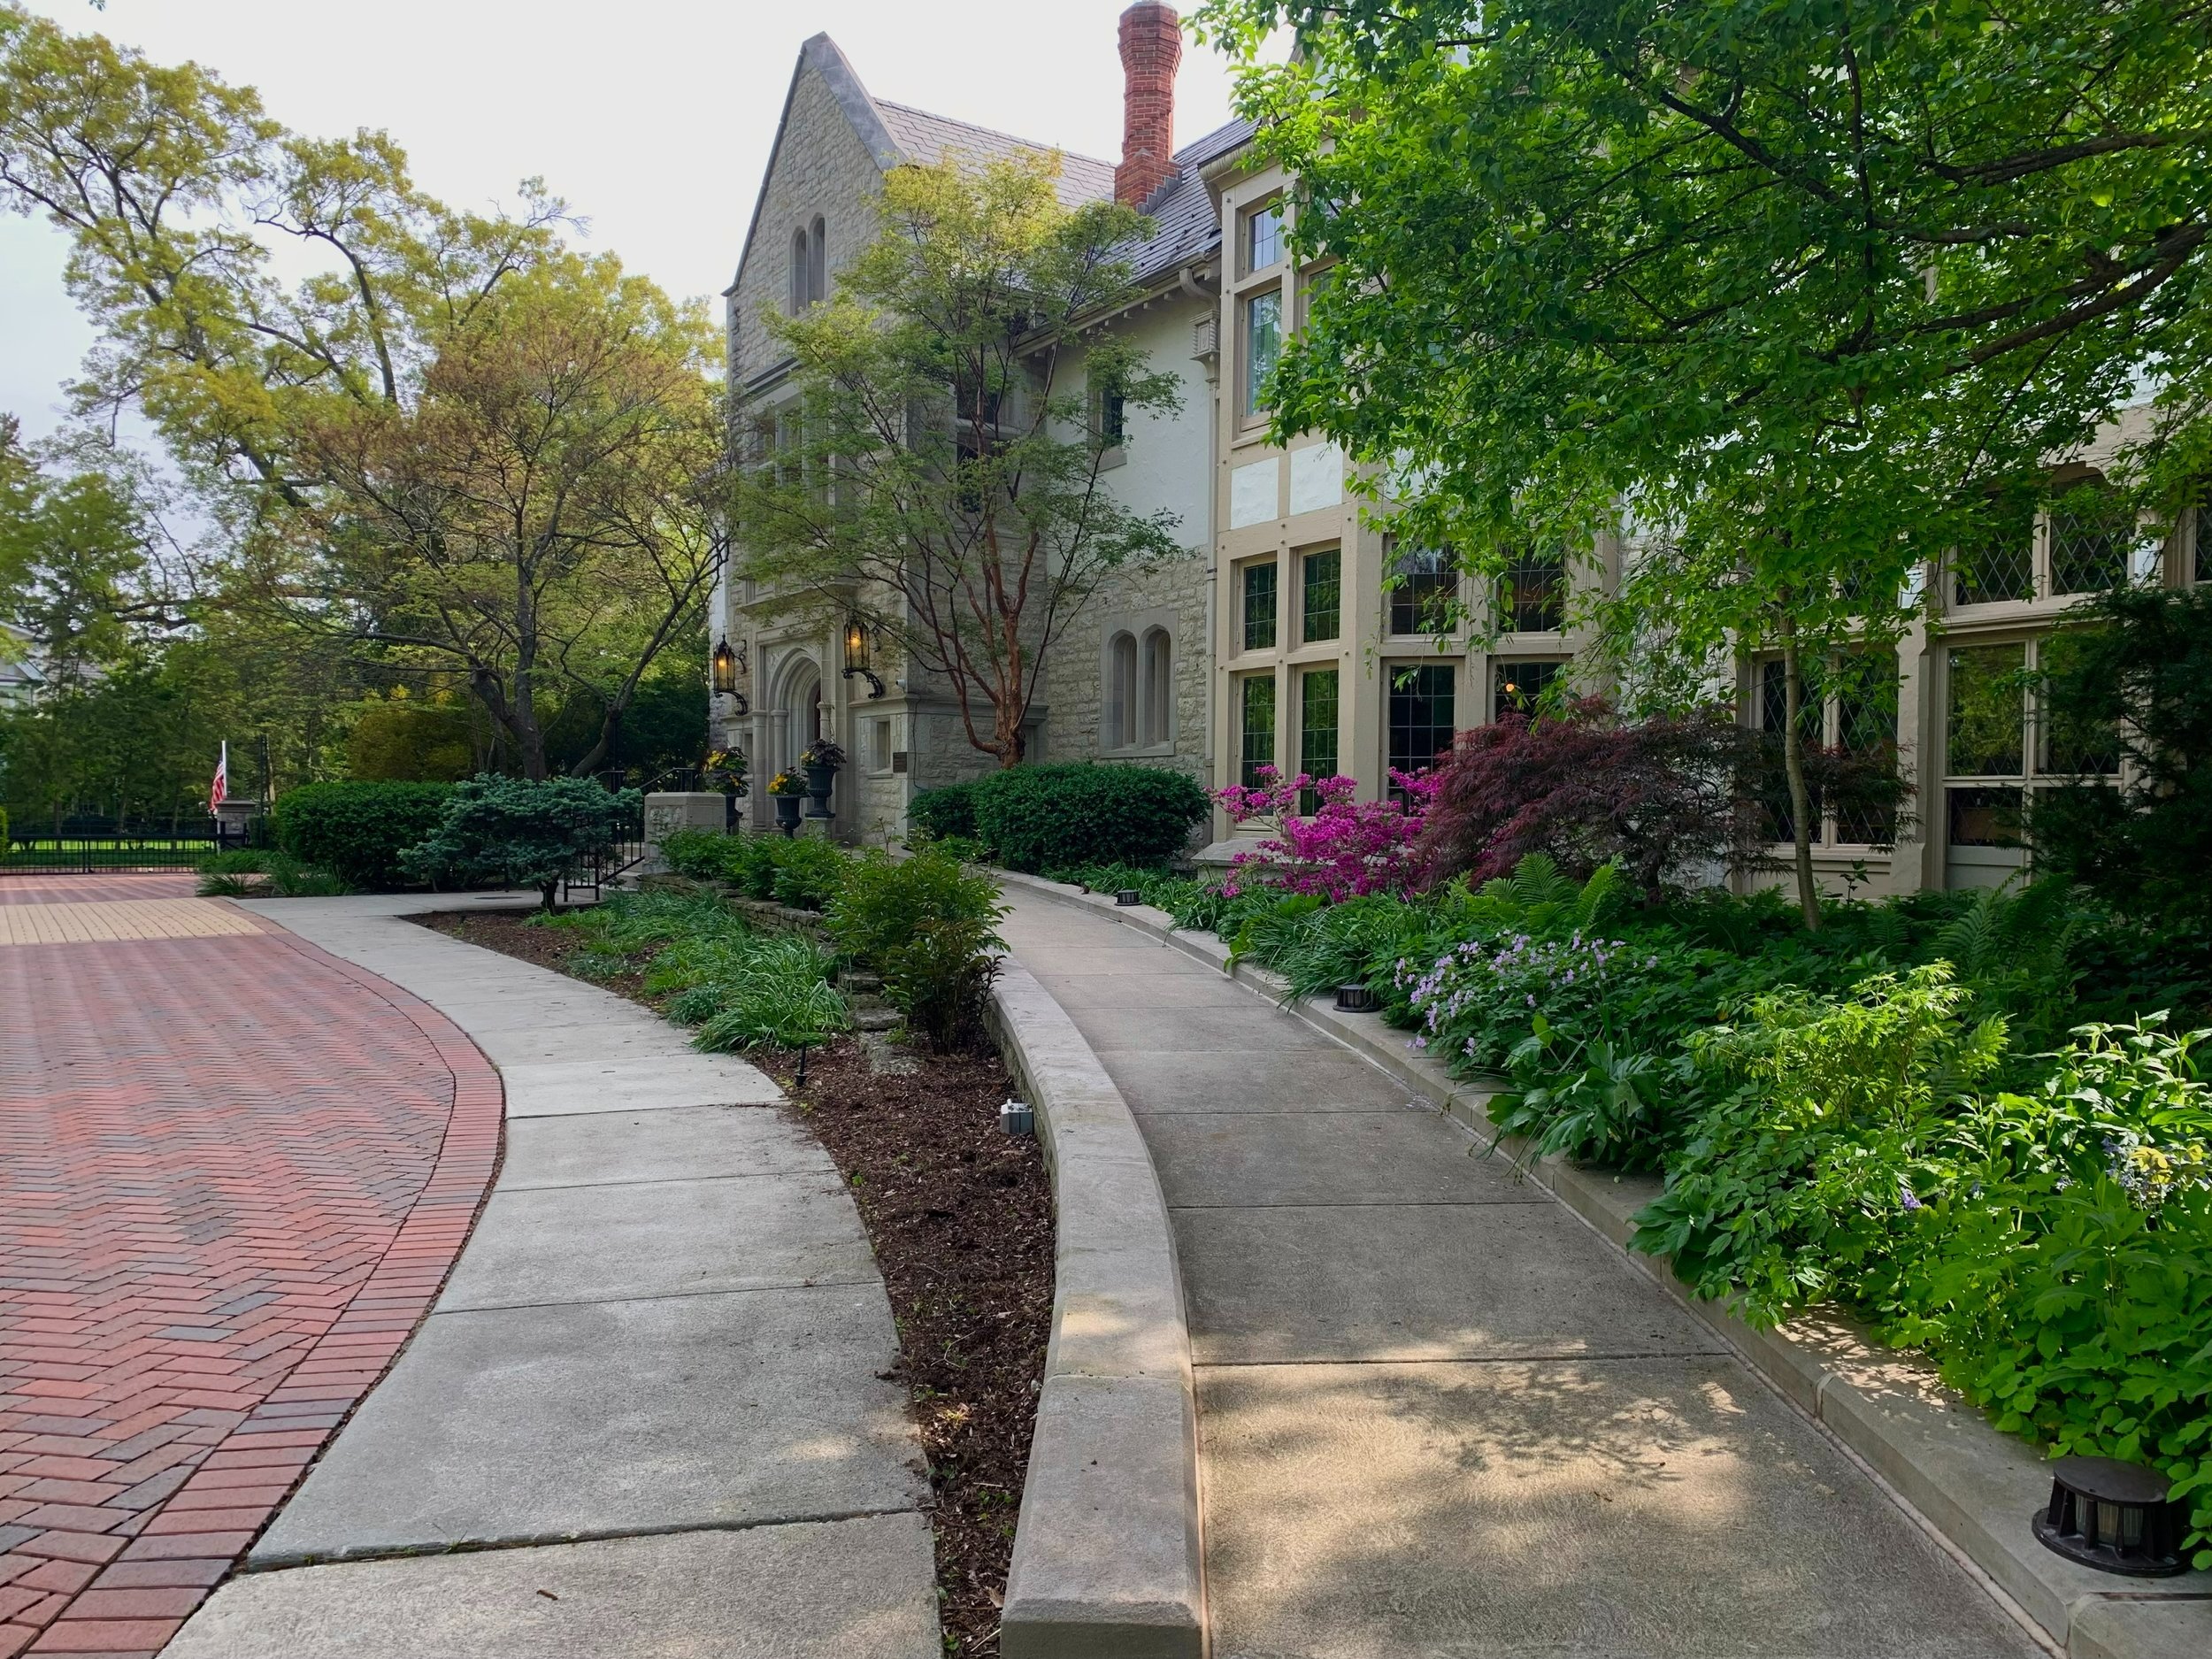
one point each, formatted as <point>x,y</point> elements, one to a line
<point>803,716</point>
<point>796,721</point>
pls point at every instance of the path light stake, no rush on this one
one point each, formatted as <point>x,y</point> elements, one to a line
<point>800,1081</point>
<point>1355,999</point>
<point>2113,1516</point>
<point>1017,1118</point>
<point>1128,895</point>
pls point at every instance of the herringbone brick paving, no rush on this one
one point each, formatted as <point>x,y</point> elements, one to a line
<point>234,1172</point>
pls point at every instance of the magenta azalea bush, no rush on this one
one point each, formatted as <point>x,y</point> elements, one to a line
<point>1343,849</point>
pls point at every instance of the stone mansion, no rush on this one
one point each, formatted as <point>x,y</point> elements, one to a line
<point>1278,639</point>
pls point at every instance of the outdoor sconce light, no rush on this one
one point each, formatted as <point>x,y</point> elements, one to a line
<point>1017,1119</point>
<point>1128,895</point>
<point>2113,1516</point>
<point>1355,999</point>
<point>725,670</point>
<point>856,656</point>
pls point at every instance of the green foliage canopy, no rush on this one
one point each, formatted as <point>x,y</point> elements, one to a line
<point>934,467</point>
<point>1799,296</point>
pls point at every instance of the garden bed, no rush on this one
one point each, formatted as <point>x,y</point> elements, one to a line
<point>960,1218</point>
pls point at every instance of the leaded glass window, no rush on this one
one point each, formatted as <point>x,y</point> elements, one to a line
<point>1322,593</point>
<point>1421,599</point>
<point>1316,729</point>
<point>1263,345</point>
<point>1255,729</point>
<point>1423,715</point>
<point>1516,688</point>
<point>2000,566</point>
<point>1259,606</point>
<point>1263,237</point>
<point>2093,534</point>
<point>1532,595</point>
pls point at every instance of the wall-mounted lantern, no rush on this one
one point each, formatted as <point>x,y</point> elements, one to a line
<point>859,657</point>
<point>725,670</point>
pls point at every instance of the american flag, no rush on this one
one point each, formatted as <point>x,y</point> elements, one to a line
<point>218,791</point>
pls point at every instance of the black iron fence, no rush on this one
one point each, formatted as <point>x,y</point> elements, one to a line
<point>109,850</point>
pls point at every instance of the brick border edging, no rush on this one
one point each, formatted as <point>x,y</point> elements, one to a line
<point>1107,1547</point>
<point>305,1412</point>
<point>1971,1487</point>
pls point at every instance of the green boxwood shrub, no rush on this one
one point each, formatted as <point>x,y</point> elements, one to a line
<point>1036,817</point>
<point>946,811</point>
<point>357,831</point>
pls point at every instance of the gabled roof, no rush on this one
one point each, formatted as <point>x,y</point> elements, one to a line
<point>1182,211</point>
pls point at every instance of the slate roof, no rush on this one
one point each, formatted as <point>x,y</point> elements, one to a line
<point>928,139</point>
<point>1185,223</point>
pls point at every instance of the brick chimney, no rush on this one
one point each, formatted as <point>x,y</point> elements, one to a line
<point>1151,47</point>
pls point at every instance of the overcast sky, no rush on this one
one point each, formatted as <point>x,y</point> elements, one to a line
<point>652,117</point>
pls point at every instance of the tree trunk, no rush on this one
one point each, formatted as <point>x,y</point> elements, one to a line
<point>1793,763</point>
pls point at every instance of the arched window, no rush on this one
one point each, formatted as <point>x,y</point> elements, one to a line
<point>800,260</point>
<point>1118,729</point>
<point>1155,720</point>
<point>816,262</point>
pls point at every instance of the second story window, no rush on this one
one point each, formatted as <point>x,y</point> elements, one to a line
<point>1263,346</point>
<point>1532,595</point>
<point>1322,595</point>
<point>1263,237</point>
<point>1421,599</point>
<point>2096,542</point>
<point>1259,606</point>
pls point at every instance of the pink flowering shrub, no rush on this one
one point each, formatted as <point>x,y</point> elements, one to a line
<point>1344,848</point>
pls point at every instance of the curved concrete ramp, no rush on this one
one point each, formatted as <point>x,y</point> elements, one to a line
<point>1438,1415</point>
<point>649,1411</point>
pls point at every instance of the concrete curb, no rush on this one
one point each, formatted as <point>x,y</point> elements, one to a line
<point>1973,1488</point>
<point>1107,1562</point>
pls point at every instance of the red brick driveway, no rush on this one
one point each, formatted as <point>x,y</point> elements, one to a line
<point>234,1171</point>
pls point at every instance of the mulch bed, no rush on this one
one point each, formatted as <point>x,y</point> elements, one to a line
<point>960,1218</point>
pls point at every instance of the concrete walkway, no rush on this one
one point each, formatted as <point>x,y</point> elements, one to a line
<point>1437,1416</point>
<point>648,1408</point>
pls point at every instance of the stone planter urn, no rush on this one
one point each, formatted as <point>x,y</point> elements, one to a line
<point>821,760</point>
<point>788,812</point>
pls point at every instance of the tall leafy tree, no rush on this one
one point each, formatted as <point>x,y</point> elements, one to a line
<point>1798,295</point>
<point>456,444</point>
<point>932,468</point>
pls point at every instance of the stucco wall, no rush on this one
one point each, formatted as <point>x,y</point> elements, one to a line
<point>1166,462</point>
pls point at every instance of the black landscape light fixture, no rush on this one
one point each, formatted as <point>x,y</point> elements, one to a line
<point>1128,895</point>
<point>1355,999</point>
<point>725,670</point>
<point>2114,1517</point>
<point>857,656</point>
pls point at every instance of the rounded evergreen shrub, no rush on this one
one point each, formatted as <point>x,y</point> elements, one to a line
<point>1075,813</point>
<point>520,832</point>
<point>946,811</point>
<point>357,831</point>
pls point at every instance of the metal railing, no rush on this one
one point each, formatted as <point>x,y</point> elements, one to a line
<point>605,866</point>
<point>110,851</point>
